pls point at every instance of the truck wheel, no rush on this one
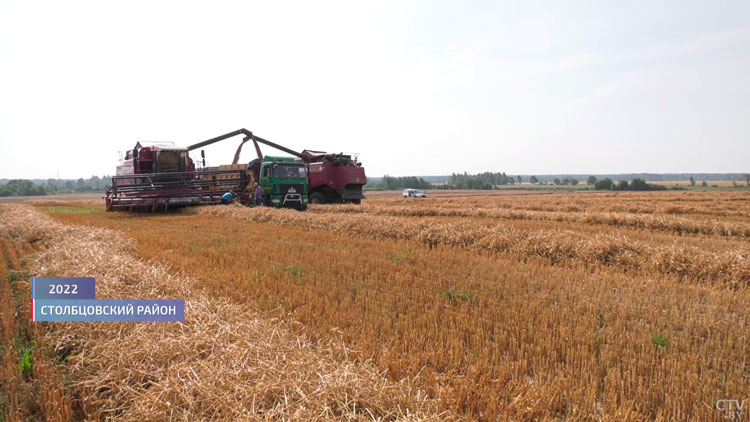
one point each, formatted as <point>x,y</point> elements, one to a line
<point>355,201</point>
<point>317,198</point>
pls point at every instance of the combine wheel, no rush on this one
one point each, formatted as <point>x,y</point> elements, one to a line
<point>317,198</point>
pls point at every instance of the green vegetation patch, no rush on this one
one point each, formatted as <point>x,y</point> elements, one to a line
<point>399,257</point>
<point>25,362</point>
<point>14,276</point>
<point>295,271</point>
<point>457,296</point>
<point>223,240</point>
<point>68,210</point>
<point>660,340</point>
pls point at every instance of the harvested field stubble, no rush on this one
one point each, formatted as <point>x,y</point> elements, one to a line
<point>649,222</point>
<point>225,362</point>
<point>686,204</point>
<point>491,336</point>
<point>729,268</point>
<point>31,387</point>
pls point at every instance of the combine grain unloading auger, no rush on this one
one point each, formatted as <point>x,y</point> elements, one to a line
<point>160,175</point>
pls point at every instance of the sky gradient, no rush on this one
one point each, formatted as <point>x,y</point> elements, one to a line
<point>414,87</point>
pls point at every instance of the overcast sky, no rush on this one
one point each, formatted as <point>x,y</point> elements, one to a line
<point>414,87</point>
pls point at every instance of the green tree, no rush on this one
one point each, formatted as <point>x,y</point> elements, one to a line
<point>591,180</point>
<point>533,180</point>
<point>704,184</point>
<point>484,180</point>
<point>639,184</point>
<point>519,178</point>
<point>557,181</point>
<point>51,188</point>
<point>21,187</point>
<point>604,184</point>
<point>96,183</point>
<point>397,183</point>
<point>692,181</point>
<point>573,182</point>
<point>747,180</point>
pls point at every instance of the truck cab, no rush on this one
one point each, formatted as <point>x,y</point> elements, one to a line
<point>284,182</point>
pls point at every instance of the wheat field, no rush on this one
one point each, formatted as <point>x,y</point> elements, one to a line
<point>533,307</point>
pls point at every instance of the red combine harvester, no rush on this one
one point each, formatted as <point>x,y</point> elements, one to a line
<point>157,176</point>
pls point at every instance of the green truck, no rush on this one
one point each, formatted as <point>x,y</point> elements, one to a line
<point>284,182</point>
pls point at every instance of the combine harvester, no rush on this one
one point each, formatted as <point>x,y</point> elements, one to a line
<point>158,176</point>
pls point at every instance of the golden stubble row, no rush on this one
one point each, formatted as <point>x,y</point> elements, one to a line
<point>662,223</point>
<point>691,264</point>
<point>686,204</point>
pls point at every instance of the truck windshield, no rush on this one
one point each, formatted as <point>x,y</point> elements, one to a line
<point>289,171</point>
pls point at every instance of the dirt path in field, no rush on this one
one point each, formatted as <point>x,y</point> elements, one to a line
<point>225,362</point>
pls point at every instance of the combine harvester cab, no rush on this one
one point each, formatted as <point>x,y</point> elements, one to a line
<point>154,157</point>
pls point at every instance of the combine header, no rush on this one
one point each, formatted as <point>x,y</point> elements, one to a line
<point>157,176</point>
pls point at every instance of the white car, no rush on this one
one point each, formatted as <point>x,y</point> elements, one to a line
<point>414,193</point>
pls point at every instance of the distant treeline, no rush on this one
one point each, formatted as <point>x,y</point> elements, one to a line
<point>25,187</point>
<point>581,178</point>
<point>649,177</point>
<point>396,183</point>
<point>486,180</point>
<point>635,184</point>
<point>456,181</point>
<point>493,180</point>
